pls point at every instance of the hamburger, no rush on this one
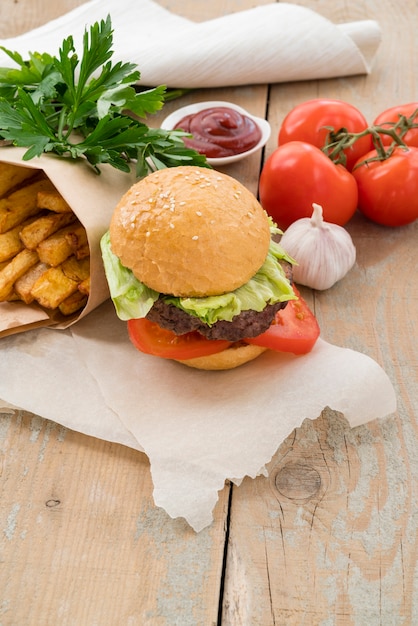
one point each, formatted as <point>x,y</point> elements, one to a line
<point>190,259</point>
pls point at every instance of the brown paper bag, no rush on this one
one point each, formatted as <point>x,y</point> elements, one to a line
<point>93,198</point>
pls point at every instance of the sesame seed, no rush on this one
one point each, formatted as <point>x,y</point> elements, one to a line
<point>171,225</point>
<point>195,237</point>
<point>199,213</point>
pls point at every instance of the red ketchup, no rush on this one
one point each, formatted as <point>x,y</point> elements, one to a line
<point>219,132</point>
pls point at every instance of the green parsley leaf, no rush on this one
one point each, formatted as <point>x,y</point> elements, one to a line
<point>87,107</point>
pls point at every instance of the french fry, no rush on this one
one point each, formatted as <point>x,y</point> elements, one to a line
<point>53,287</point>
<point>23,286</point>
<point>53,201</point>
<point>21,204</point>
<point>76,269</point>
<point>13,175</point>
<point>18,266</point>
<point>58,247</point>
<point>43,227</point>
<point>84,286</point>
<point>73,303</point>
<point>12,297</point>
<point>10,244</point>
<point>77,239</point>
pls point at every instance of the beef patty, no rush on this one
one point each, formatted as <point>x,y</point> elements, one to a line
<point>246,324</point>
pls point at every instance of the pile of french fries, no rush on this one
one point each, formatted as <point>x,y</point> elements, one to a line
<point>44,252</point>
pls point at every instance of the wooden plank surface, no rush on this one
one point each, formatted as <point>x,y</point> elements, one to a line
<point>81,542</point>
<point>330,536</point>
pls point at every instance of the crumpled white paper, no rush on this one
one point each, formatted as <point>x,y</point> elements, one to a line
<point>272,43</point>
<point>197,428</point>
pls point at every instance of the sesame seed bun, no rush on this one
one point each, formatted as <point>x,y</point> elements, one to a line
<point>237,354</point>
<point>190,231</point>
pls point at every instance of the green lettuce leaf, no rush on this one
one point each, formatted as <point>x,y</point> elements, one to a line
<point>132,299</point>
<point>268,286</point>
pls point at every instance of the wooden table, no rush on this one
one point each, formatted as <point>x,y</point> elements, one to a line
<point>330,536</point>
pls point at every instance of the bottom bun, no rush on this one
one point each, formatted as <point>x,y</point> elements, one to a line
<point>235,355</point>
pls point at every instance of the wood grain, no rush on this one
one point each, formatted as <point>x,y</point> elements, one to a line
<point>338,545</point>
<point>329,536</point>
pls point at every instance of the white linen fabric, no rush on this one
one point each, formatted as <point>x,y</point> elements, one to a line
<point>271,43</point>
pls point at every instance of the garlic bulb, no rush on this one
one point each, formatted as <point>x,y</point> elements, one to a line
<point>324,252</point>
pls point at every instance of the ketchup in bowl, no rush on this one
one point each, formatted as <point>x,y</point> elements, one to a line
<point>219,132</point>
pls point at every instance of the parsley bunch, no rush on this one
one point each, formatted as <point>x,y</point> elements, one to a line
<point>87,108</point>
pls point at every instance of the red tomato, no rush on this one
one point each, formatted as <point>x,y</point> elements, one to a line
<point>388,189</point>
<point>297,174</point>
<point>295,329</point>
<point>392,115</point>
<point>311,121</point>
<point>150,338</point>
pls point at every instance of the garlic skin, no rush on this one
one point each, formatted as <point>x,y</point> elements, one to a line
<point>324,252</point>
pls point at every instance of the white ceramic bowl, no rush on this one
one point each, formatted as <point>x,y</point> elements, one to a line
<point>170,122</point>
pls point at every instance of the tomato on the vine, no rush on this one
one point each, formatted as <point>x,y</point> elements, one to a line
<point>298,174</point>
<point>389,117</point>
<point>388,188</point>
<point>312,120</point>
<point>295,329</point>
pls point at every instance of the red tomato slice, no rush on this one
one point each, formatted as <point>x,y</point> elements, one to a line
<point>295,329</point>
<point>150,338</point>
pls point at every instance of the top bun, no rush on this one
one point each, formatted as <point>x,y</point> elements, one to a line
<point>190,231</point>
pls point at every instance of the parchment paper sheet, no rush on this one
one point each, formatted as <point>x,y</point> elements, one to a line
<point>197,428</point>
<point>273,43</point>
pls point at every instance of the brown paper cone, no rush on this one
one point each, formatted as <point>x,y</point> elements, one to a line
<point>93,198</point>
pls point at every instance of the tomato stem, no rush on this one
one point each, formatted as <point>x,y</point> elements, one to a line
<point>340,140</point>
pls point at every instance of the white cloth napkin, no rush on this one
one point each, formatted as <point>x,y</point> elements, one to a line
<point>266,44</point>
